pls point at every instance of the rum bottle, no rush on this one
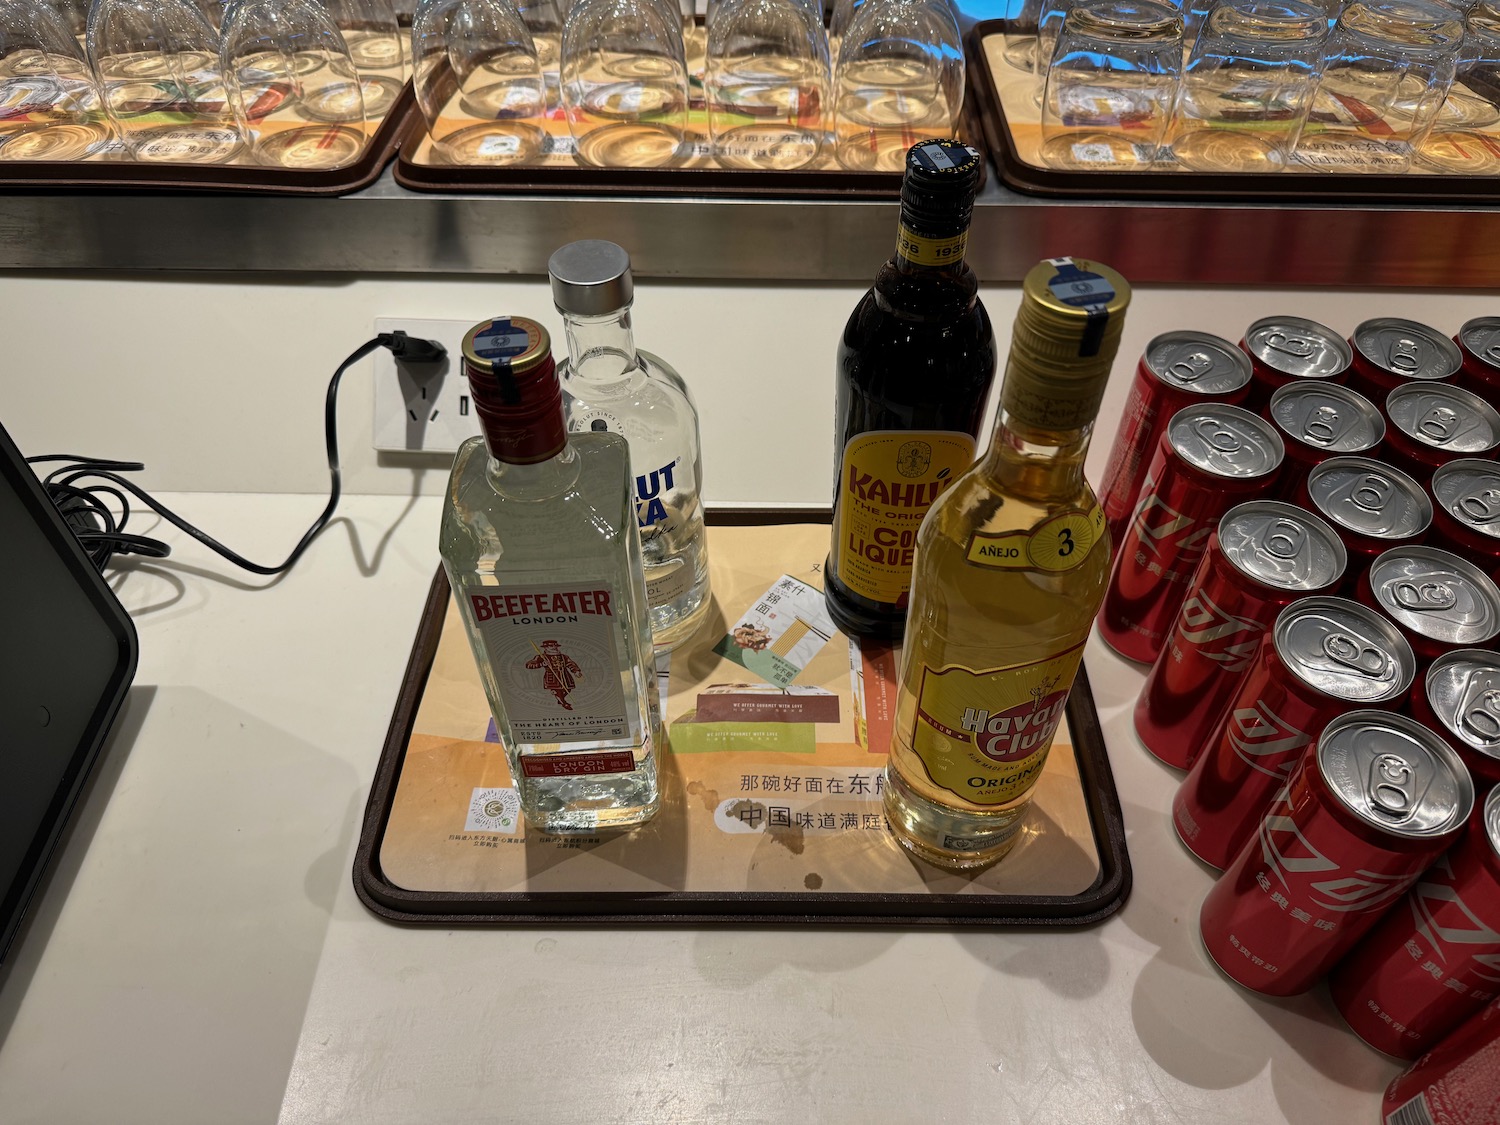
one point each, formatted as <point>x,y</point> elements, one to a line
<point>1011,566</point>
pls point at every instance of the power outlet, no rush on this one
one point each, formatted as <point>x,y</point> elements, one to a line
<point>423,407</point>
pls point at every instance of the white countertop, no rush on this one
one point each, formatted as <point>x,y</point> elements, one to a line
<point>199,954</point>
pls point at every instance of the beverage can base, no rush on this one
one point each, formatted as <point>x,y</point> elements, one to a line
<point>1227,975</point>
<point>1118,651</point>
<point>1193,851</point>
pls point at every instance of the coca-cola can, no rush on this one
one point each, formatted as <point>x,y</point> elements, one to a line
<point>1466,511</point>
<point>1437,600</point>
<point>1372,506</point>
<point>1292,349</point>
<point>1434,959</point>
<point>1452,1083</point>
<point>1317,421</point>
<point>1176,370</point>
<point>1263,556</point>
<point>1210,457</point>
<point>1325,656</point>
<point>1432,424</point>
<point>1479,343</point>
<point>1458,696</point>
<point>1362,815</point>
<point>1389,353</point>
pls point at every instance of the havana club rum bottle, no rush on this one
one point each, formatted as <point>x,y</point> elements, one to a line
<point>915,366</point>
<point>1011,565</point>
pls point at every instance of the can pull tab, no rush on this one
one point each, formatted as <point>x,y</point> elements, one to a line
<point>1479,713</point>
<point>1391,785</point>
<point>1439,424</point>
<point>1323,426</point>
<point>1190,368</point>
<point>1372,493</point>
<point>1298,346</point>
<point>1284,539</point>
<point>1426,596</point>
<point>1480,506</point>
<point>1216,435</point>
<point>1356,654</point>
<point>1404,355</point>
<point>1492,353</point>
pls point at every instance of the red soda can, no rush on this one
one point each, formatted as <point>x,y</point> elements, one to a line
<point>1466,511</point>
<point>1363,814</point>
<point>1291,349</point>
<point>1372,506</point>
<point>1434,423</point>
<point>1262,557</point>
<point>1479,343</point>
<point>1177,370</point>
<point>1389,353</point>
<point>1454,1082</point>
<point>1210,457</point>
<point>1317,421</point>
<point>1434,959</point>
<point>1458,696</point>
<point>1324,656</point>
<point>1437,600</point>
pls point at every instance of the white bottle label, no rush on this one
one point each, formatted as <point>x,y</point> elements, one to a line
<point>553,653</point>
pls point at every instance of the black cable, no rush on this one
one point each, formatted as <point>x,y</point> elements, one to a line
<point>103,534</point>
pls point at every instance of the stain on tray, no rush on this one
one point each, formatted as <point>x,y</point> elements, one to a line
<point>813,881</point>
<point>709,796</point>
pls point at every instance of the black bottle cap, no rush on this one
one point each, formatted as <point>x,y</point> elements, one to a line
<point>937,192</point>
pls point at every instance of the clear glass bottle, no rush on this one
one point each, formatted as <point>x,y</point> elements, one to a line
<point>1012,563</point>
<point>539,543</point>
<point>611,387</point>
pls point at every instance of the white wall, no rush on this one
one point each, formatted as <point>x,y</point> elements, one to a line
<point>217,382</point>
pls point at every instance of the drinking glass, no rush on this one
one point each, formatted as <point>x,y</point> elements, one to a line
<point>376,47</point>
<point>1020,34</point>
<point>296,90</point>
<point>478,81</point>
<point>766,84</point>
<point>74,15</point>
<point>1455,143</point>
<point>1386,71</point>
<point>1111,84</point>
<point>158,67</point>
<point>1247,85</point>
<point>50,107</point>
<point>900,78</point>
<point>625,82</point>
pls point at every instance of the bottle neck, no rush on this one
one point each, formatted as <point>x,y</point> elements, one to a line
<point>540,480</point>
<point>925,245</point>
<point>520,415</point>
<point>602,349</point>
<point>1037,462</point>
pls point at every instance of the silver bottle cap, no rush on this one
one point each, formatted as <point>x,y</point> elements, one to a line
<point>1282,546</point>
<point>1407,348</point>
<point>1197,362</point>
<point>1342,649</point>
<point>591,278</point>
<point>1298,347</point>
<point>1437,594</point>
<point>1469,491</point>
<point>1327,416</point>
<point>1482,337</point>
<point>1370,498</point>
<point>1463,689</point>
<point>1395,774</point>
<point>1444,417</point>
<point>1225,441</point>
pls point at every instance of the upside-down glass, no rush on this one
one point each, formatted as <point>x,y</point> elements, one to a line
<point>1386,71</point>
<point>478,81</point>
<point>50,107</point>
<point>900,79</point>
<point>625,83</point>
<point>377,47</point>
<point>766,84</point>
<point>74,15</point>
<point>1456,143</point>
<point>1110,86</point>
<point>1247,85</point>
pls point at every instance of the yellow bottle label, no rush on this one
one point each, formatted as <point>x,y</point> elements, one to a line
<point>984,735</point>
<point>924,251</point>
<point>887,481</point>
<point>1058,544</point>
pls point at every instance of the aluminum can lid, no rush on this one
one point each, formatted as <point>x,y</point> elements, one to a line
<point>1369,497</point>
<point>1469,491</point>
<point>1198,362</point>
<point>1482,337</point>
<point>1444,417</point>
<point>1342,649</point>
<point>1299,347</point>
<point>1437,594</point>
<point>1407,348</point>
<point>1282,546</point>
<point>1327,416</point>
<point>1395,774</point>
<point>1225,441</point>
<point>1492,819</point>
<point>1463,689</point>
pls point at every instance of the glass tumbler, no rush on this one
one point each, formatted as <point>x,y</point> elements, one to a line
<point>1247,85</point>
<point>766,84</point>
<point>478,81</point>
<point>50,108</point>
<point>900,79</point>
<point>1456,143</point>
<point>1386,71</point>
<point>1111,84</point>
<point>376,48</point>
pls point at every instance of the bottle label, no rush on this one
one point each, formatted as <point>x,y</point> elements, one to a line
<point>553,654</point>
<point>1058,544</point>
<point>887,481</point>
<point>984,735</point>
<point>923,251</point>
<point>671,580</point>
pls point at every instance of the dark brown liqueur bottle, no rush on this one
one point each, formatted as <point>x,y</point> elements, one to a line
<point>915,366</point>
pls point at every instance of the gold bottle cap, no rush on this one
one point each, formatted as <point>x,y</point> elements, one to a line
<point>512,341</point>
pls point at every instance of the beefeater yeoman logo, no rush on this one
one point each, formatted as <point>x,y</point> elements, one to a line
<point>1165,531</point>
<point>560,672</point>
<point>1212,629</point>
<point>1445,920</point>
<point>1291,858</point>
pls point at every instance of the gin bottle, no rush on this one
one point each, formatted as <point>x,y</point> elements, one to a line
<point>609,386</point>
<point>540,546</point>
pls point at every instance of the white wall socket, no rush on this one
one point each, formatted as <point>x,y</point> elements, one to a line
<point>423,407</point>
